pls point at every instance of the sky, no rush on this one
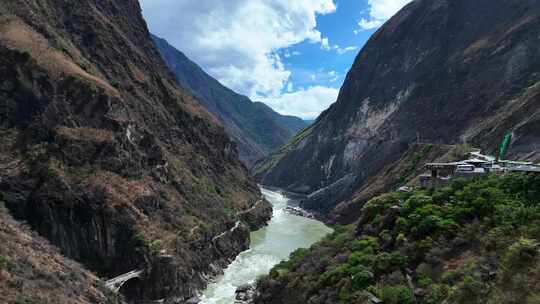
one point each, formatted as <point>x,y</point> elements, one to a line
<point>290,54</point>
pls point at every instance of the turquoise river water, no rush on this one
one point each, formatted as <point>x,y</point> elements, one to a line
<point>269,246</point>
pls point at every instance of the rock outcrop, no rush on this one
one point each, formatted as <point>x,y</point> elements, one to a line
<point>255,127</point>
<point>439,72</point>
<point>107,158</point>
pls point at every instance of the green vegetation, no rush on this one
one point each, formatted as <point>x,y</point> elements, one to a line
<point>275,157</point>
<point>230,212</point>
<point>471,242</point>
<point>283,267</point>
<point>397,295</point>
<point>3,261</point>
<point>156,245</point>
<point>214,189</point>
<point>414,164</point>
<point>141,242</point>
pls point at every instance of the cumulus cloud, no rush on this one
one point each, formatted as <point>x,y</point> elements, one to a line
<point>288,54</point>
<point>304,103</point>
<point>333,76</point>
<point>344,50</point>
<point>237,41</point>
<point>325,45</point>
<point>380,11</point>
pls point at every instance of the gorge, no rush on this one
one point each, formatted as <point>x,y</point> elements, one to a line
<point>129,174</point>
<point>269,246</point>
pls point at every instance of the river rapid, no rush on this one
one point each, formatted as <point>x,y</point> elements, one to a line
<point>270,245</point>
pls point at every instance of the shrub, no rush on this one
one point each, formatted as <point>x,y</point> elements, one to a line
<point>384,261</point>
<point>398,260</point>
<point>520,254</point>
<point>378,205</point>
<point>470,290</point>
<point>333,275</point>
<point>361,277</point>
<point>360,258</point>
<point>396,295</point>
<point>424,281</point>
<point>367,244</point>
<point>437,294</point>
<point>229,212</point>
<point>156,245</point>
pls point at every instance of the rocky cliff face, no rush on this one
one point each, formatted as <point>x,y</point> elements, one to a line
<point>441,72</point>
<point>107,158</point>
<point>255,127</point>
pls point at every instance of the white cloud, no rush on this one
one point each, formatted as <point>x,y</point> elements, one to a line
<point>369,24</point>
<point>380,11</point>
<point>288,54</point>
<point>290,87</point>
<point>342,51</point>
<point>333,76</point>
<point>325,45</point>
<point>237,41</point>
<point>304,103</point>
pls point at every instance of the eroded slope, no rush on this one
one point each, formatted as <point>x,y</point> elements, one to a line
<point>107,158</point>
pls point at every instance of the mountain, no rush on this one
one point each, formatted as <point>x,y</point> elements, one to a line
<point>438,78</point>
<point>255,127</point>
<point>436,73</point>
<point>106,158</point>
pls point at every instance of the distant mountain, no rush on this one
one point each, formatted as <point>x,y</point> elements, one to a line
<point>255,127</point>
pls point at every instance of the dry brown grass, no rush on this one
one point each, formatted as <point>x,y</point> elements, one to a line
<point>33,271</point>
<point>86,134</point>
<point>476,46</point>
<point>19,36</point>
<point>119,190</point>
<point>460,261</point>
<point>137,73</point>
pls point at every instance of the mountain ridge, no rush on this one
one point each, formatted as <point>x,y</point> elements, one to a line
<point>255,127</point>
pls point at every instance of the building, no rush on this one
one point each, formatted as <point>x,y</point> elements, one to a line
<point>478,165</point>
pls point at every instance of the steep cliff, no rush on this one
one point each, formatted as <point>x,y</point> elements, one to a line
<point>255,127</point>
<point>103,155</point>
<point>439,72</point>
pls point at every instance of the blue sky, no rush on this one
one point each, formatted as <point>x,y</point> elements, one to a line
<point>291,54</point>
<point>315,65</point>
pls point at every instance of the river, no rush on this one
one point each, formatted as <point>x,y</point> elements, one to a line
<point>269,246</point>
